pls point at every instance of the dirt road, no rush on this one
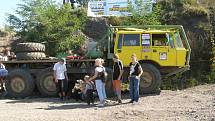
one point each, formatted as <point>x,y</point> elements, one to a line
<point>194,104</point>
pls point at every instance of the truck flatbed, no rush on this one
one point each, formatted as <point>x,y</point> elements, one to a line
<point>47,61</point>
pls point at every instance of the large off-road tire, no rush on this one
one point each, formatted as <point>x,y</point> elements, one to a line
<point>30,56</point>
<point>19,83</point>
<point>150,80</point>
<point>109,84</point>
<point>45,83</point>
<point>30,47</point>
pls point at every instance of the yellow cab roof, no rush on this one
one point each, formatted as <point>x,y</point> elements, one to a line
<point>135,30</point>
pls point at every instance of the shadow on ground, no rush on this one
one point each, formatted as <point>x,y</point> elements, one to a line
<point>79,106</point>
<point>54,100</point>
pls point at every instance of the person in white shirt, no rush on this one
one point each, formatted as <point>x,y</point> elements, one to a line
<point>61,78</point>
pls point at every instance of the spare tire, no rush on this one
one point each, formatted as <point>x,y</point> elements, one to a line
<point>150,80</point>
<point>30,56</point>
<point>45,83</point>
<point>30,47</point>
<point>19,83</point>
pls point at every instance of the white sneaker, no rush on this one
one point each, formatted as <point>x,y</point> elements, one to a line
<point>100,105</point>
<point>135,103</point>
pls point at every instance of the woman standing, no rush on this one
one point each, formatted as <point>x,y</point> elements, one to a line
<point>99,77</point>
<point>135,74</point>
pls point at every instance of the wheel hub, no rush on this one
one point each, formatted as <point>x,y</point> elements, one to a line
<point>49,84</point>
<point>17,84</point>
<point>146,80</point>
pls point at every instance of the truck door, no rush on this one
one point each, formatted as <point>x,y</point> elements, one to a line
<point>163,50</point>
<point>181,51</point>
<point>127,45</point>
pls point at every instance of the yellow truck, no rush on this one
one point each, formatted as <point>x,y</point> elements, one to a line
<point>162,50</point>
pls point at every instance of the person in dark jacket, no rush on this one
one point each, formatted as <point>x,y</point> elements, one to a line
<point>117,76</point>
<point>134,77</point>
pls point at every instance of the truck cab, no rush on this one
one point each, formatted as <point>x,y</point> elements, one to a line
<point>161,50</point>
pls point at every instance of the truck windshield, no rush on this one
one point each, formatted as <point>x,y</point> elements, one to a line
<point>170,39</point>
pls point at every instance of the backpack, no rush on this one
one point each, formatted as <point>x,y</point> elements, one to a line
<point>102,75</point>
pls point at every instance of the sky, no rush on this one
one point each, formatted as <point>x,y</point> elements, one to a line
<point>8,7</point>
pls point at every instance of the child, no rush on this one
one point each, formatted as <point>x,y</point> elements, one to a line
<point>88,91</point>
<point>77,91</point>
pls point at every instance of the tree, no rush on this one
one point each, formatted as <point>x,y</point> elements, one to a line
<point>196,20</point>
<point>45,21</point>
<point>142,14</point>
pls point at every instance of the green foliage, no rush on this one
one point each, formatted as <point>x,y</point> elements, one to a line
<point>191,82</point>
<point>196,20</point>
<point>178,82</point>
<point>44,21</point>
<point>142,17</point>
<point>190,10</point>
<point>115,21</point>
<point>174,83</point>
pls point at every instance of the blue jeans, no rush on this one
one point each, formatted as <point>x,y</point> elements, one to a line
<point>134,88</point>
<point>100,87</point>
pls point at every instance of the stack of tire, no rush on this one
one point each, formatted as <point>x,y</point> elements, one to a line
<point>30,51</point>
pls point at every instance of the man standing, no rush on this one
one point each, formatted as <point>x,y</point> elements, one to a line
<point>135,73</point>
<point>117,76</point>
<point>61,78</point>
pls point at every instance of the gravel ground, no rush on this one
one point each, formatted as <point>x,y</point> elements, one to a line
<point>194,104</point>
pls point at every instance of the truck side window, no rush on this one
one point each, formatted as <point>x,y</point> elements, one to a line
<point>131,40</point>
<point>120,42</point>
<point>179,44</point>
<point>159,40</point>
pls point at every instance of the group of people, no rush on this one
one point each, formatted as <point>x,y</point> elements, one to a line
<point>99,79</point>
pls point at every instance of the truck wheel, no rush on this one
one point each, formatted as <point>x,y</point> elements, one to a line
<point>30,47</point>
<point>19,83</point>
<point>150,80</point>
<point>30,56</point>
<point>46,84</point>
